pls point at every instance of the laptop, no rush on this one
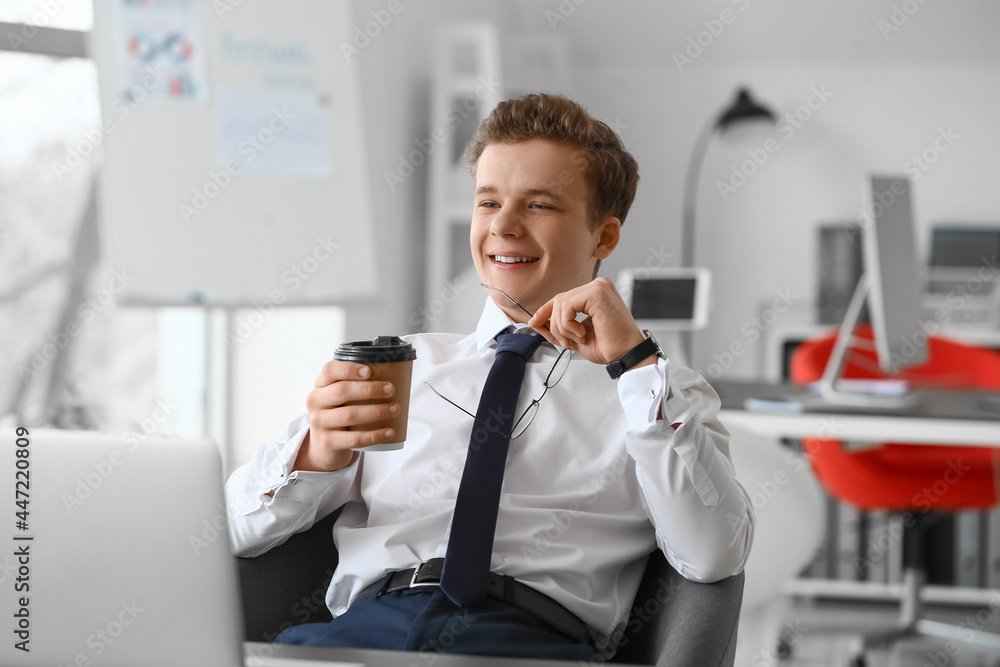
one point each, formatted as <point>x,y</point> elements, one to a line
<point>114,552</point>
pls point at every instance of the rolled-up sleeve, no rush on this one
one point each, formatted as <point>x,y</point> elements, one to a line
<point>266,501</point>
<point>703,517</point>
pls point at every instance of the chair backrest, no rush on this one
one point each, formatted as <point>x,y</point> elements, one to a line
<point>287,585</point>
<point>675,621</point>
<point>679,622</point>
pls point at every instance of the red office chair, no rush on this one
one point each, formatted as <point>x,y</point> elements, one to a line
<point>908,478</point>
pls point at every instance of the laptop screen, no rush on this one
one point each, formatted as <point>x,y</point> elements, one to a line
<point>116,552</point>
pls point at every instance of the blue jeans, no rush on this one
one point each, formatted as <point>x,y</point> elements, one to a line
<point>425,620</point>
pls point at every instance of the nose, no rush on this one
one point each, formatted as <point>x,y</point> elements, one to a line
<point>506,222</point>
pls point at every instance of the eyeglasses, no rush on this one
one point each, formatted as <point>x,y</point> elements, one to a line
<point>556,374</point>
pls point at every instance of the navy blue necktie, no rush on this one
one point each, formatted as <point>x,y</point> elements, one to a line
<point>470,547</point>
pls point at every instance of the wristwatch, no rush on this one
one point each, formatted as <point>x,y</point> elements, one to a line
<point>634,356</point>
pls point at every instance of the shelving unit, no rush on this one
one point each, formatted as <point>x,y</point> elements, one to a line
<point>465,87</point>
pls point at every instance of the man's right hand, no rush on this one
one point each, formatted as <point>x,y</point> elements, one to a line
<point>328,445</point>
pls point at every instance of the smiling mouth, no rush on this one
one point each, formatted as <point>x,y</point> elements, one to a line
<point>513,259</point>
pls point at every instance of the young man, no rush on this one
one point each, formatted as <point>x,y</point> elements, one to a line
<point>606,470</point>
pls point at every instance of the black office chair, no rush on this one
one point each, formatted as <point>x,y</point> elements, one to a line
<point>689,624</point>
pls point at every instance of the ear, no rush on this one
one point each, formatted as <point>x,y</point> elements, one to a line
<point>608,234</point>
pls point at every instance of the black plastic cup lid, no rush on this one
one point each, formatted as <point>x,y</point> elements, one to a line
<point>380,349</point>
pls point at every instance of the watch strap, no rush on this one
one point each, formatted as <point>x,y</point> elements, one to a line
<point>641,351</point>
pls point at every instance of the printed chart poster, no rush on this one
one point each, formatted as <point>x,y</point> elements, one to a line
<point>163,52</point>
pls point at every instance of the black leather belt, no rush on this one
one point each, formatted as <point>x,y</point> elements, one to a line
<point>499,587</point>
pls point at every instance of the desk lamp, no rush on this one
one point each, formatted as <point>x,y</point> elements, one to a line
<point>743,109</point>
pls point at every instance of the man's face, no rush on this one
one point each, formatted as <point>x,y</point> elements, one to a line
<point>531,231</point>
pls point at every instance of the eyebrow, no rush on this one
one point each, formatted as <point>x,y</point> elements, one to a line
<point>531,192</point>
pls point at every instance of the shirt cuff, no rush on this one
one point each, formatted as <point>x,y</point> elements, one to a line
<point>642,392</point>
<point>298,485</point>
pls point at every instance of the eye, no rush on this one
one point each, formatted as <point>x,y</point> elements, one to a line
<point>489,204</point>
<point>539,205</point>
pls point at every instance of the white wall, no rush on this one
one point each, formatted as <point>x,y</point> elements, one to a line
<point>890,96</point>
<point>761,241</point>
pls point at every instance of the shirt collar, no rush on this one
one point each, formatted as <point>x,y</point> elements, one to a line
<point>492,322</point>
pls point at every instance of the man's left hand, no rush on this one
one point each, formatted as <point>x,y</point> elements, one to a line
<point>607,332</point>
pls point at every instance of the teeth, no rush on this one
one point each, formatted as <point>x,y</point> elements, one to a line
<point>513,260</point>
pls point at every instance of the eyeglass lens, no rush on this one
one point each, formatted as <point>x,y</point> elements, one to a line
<point>552,379</point>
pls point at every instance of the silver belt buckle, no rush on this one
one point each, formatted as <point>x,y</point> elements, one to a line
<point>413,578</point>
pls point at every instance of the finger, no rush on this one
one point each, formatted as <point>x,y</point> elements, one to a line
<point>339,440</point>
<point>540,323</point>
<point>334,371</point>
<point>548,313</point>
<point>564,322</point>
<point>369,438</point>
<point>573,328</point>
<point>545,333</point>
<point>556,325</point>
<point>351,416</point>
<point>343,391</point>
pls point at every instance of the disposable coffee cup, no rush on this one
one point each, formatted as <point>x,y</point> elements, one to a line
<point>390,359</point>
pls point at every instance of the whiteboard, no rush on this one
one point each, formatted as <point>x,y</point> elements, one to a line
<point>235,167</point>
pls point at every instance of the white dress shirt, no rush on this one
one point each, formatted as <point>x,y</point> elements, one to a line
<point>594,484</point>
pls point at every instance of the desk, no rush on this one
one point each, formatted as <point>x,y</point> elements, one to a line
<point>941,418</point>
<point>272,655</point>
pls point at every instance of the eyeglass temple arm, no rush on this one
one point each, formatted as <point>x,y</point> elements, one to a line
<point>497,289</point>
<point>448,399</point>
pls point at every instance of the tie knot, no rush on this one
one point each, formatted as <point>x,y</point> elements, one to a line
<point>524,345</point>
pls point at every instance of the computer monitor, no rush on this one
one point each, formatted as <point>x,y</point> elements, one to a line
<point>958,246</point>
<point>891,285</point>
<point>959,253</point>
<point>667,299</point>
